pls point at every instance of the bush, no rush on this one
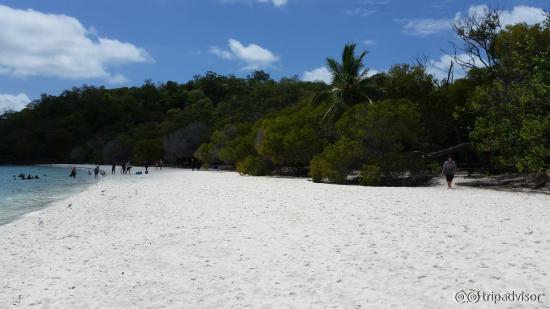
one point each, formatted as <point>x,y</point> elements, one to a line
<point>253,166</point>
<point>148,150</point>
<point>316,168</point>
<point>205,153</point>
<point>294,136</point>
<point>336,161</point>
<point>371,175</point>
<point>228,144</point>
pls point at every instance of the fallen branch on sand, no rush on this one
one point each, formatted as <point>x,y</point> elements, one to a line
<point>532,181</point>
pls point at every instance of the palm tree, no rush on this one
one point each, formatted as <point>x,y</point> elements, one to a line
<point>349,80</point>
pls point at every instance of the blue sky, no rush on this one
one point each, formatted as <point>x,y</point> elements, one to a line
<point>49,46</point>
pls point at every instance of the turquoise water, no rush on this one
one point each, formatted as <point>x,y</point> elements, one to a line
<point>18,197</point>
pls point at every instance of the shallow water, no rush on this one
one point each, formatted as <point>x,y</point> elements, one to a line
<point>18,197</point>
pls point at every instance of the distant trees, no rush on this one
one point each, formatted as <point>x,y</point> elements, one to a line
<point>148,150</point>
<point>370,130</point>
<point>182,143</point>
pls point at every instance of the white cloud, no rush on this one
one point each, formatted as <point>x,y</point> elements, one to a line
<point>369,42</point>
<point>33,43</point>
<point>277,3</point>
<point>224,54</point>
<point>440,68</point>
<point>519,14</point>
<point>428,26</point>
<point>253,57</point>
<point>361,12</point>
<point>9,102</point>
<point>365,8</point>
<point>320,74</point>
<point>323,74</point>
<point>372,72</point>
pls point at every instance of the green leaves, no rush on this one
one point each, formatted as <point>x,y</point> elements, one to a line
<point>348,85</point>
<point>379,135</point>
<point>515,124</point>
<point>294,136</point>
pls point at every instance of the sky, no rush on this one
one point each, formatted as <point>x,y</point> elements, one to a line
<point>51,46</point>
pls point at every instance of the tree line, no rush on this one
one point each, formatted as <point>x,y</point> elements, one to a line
<point>378,128</point>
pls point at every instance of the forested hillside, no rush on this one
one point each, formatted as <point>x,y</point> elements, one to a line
<point>382,125</point>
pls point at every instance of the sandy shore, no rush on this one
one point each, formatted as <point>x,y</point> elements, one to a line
<point>182,239</point>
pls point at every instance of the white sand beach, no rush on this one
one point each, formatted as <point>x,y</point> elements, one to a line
<point>183,239</point>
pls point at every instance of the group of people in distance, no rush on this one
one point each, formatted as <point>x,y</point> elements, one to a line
<point>28,177</point>
<point>95,170</point>
<point>126,168</point>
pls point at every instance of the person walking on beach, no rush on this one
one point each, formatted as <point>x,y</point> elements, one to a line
<point>123,168</point>
<point>146,164</point>
<point>96,172</point>
<point>128,167</point>
<point>113,169</point>
<point>449,168</point>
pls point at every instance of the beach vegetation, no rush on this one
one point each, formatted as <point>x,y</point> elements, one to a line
<point>388,128</point>
<point>254,166</point>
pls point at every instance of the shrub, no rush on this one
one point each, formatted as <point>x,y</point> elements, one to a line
<point>316,169</point>
<point>336,161</point>
<point>148,150</point>
<point>371,175</point>
<point>253,166</point>
<point>294,136</point>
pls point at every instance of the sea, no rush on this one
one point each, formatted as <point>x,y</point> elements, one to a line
<point>21,196</point>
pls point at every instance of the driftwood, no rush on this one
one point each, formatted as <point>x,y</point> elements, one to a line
<point>532,181</point>
<point>291,171</point>
<point>448,151</point>
<point>454,149</point>
<point>415,180</point>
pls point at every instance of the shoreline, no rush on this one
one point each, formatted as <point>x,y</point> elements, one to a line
<point>35,199</point>
<point>436,180</point>
<point>177,238</point>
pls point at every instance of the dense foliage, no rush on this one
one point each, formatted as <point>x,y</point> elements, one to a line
<point>377,126</point>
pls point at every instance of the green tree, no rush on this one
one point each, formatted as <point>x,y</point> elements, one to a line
<point>349,81</point>
<point>515,108</point>
<point>294,136</point>
<point>148,150</point>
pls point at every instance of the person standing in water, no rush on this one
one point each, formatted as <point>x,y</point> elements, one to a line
<point>113,169</point>
<point>449,168</point>
<point>96,172</point>
<point>73,173</point>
